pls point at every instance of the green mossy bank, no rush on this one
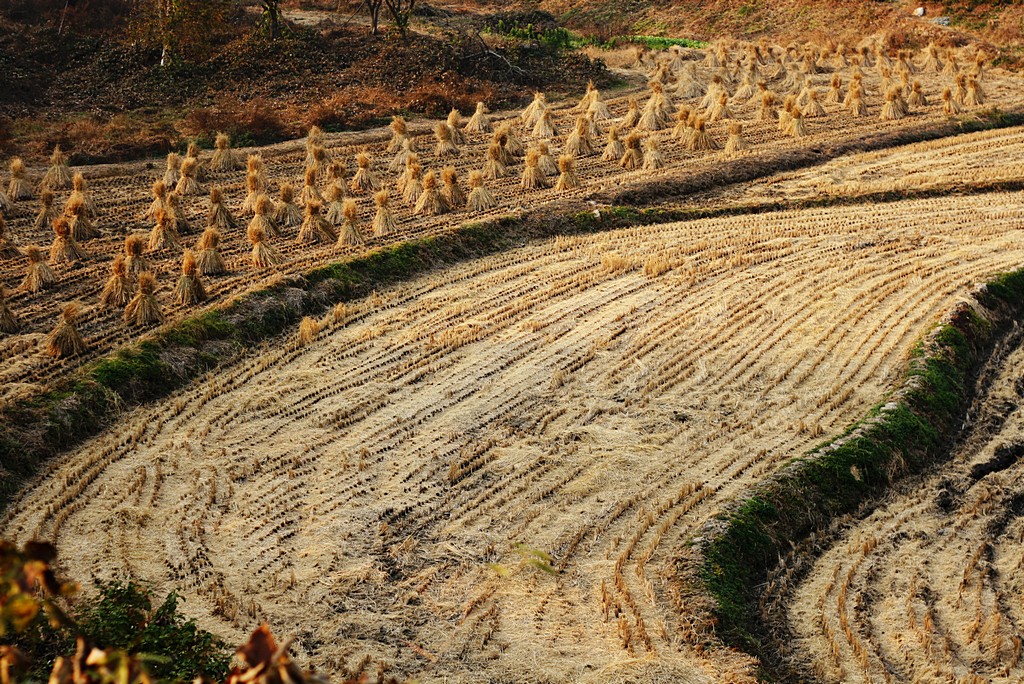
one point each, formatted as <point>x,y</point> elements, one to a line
<point>911,430</point>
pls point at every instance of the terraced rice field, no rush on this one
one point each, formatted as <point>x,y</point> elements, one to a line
<point>957,163</point>
<point>122,195</point>
<point>492,472</point>
<point>927,588</point>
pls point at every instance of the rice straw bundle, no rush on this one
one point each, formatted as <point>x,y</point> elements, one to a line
<point>975,95</point>
<point>682,129</point>
<point>857,106</point>
<point>598,108</point>
<point>952,67</point>
<point>512,143</point>
<point>224,158</point>
<point>715,88</point>
<point>9,322</point>
<point>18,188</point>
<point>736,142</point>
<point>403,180</point>
<point>839,61</point>
<point>917,98</point>
<point>317,161</point>
<point>65,340</point>
<point>567,178</point>
<point>688,85</point>
<point>547,164</point>
<point>835,91</point>
<point>133,258</point>
<point>931,59</point>
<point>588,97</point>
<point>401,158</point>
<point>504,155</point>
<point>172,173</point>
<point>82,228</point>
<point>746,90</point>
<point>334,207</point>
<point>187,184</point>
<point>315,229</point>
<point>701,139</point>
<point>960,88</point>
<point>895,107</point>
<point>262,254</point>
<point>534,110</point>
<point>455,123</point>
<point>350,236</point>
<point>453,194</point>
<point>159,202</point>
<point>189,290</point>
<point>8,248</point>
<point>115,294</point>
<point>255,166</point>
<point>209,260</point>
<point>632,115</point>
<point>80,194</point>
<point>767,112</point>
<point>494,167</point>
<point>949,105</point>
<point>480,197</point>
<point>813,106</point>
<point>39,275</point>
<point>413,185</point>
<point>192,152</point>
<point>445,145</point>
<point>179,224</point>
<point>545,127</point>
<point>286,214</point>
<point>6,206</point>
<point>336,173</point>
<point>632,158</point>
<point>315,152</point>
<point>786,114</point>
<point>593,129</point>
<point>218,215</point>
<point>365,179</point>
<point>310,192</point>
<point>144,309</point>
<point>653,116</point>
<point>399,134</point>
<point>804,96</point>
<point>384,221</point>
<point>58,176</point>
<point>263,218</point>
<point>653,159</point>
<point>797,127</point>
<point>46,210</point>
<point>430,202</point>
<point>533,178</point>
<point>65,248</point>
<point>479,122</point>
<point>162,235</point>
<point>579,144</point>
<point>721,109</point>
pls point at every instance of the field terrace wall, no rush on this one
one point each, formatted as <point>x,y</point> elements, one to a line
<point>914,428</point>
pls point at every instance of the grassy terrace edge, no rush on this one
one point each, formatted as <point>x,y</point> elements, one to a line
<point>911,429</point>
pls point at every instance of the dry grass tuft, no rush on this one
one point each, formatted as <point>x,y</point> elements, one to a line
<point>309,329</point>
